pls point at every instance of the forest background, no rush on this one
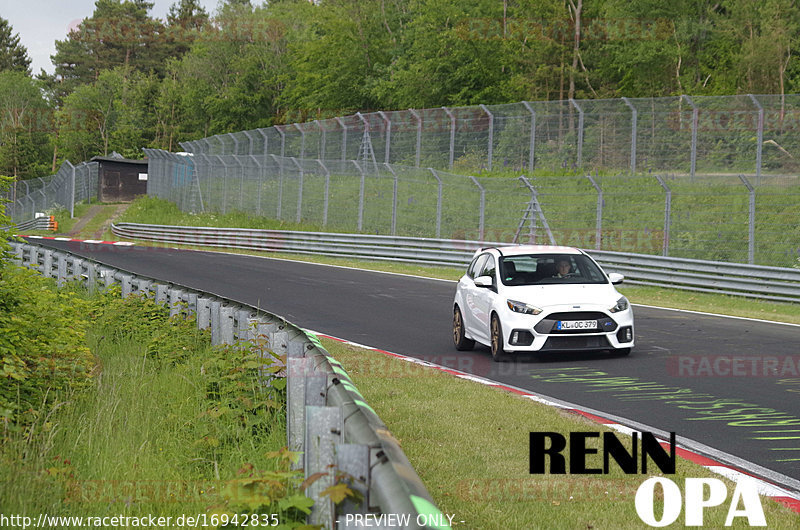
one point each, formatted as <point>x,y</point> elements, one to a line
<point>124,80</point>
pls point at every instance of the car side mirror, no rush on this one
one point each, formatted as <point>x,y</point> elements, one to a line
<point>484,281</point>
<point>616,278</point>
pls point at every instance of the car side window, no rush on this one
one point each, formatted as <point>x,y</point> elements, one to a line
<point>489,268</point>
<point>477,266</point>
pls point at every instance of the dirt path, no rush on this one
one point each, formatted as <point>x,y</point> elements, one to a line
<point>90,213</point>
<point>107,224</point>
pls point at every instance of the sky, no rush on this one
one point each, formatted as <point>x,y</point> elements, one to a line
<point>40,23</point>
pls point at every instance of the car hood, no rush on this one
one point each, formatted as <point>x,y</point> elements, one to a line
<point>571,294</point>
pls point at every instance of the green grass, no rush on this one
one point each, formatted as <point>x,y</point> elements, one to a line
<point>170,427</point>
<point>469,444</point>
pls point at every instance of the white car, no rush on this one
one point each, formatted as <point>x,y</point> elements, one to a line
<point>530,298</point>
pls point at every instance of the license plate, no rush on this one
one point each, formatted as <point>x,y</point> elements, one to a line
<point>576,324</point>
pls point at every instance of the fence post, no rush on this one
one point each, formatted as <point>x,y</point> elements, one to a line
<point>419,135</point>
<point>452,135</point>
<point>321,152</point>
<point>394,198</point>
<point>224,185</point>
<point>491,137</point>
<point>302,140</point>
<point>695,119</point>
<point>280,184</point>
<point>580,131</point>
<point>299,190</point>
<point>71,190</point>
<point>259,185</point>
<point>751,224</point>
<point>760,135</point>
<point>667,214</point>
<point>634,119</point>
<point>282,132</point>
<point>249,142</point>
<point>360,197</point>
<point>532,149</point>
<point>263,133</point>
<point>327,193</point>
<point>599,223</point>
<point>438,203</point>
<point>241,183</point>
<point>482,208</point>
<point>235,143</point>
<point>340,121</point>
<point>387,147</point>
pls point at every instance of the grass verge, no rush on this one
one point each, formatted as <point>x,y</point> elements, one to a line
<point>469,444</point>
<point>169,427</point>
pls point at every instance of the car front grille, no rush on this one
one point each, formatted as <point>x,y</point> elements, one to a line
<point>592,342</point>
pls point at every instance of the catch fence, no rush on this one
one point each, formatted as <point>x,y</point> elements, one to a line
<point>711,217</point>
<point>754,135</point>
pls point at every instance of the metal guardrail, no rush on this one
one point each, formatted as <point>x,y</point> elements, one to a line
<point>38,223</point>
<point>756,281</point>
<point>328,419</point>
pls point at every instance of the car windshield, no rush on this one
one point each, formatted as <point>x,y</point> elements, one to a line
<point>549,269</point>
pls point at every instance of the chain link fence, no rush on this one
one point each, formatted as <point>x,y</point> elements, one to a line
<point>753,135</point>
<point>714,217</point>
<point>70,185</point>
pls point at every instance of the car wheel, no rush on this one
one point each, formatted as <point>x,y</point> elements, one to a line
<point>498,354</point>
<point>459,333</point>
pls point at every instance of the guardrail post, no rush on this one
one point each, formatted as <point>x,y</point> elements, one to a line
<point>126,280</point>
<point>323,432</point>
<point>360,196</point>
<point>161,293</point>
<point>216,336</point>
<point>532,149</point>
<point>203,312</point>
<point>91,277</point>
<point>108,277</point>
<point>394,198</point>
<point>296,368</point>
<point>47,267</point>
<point>667,214</point>
<point>226,323</point>
<point>61,274</point>
<point>751,224</point>
<point>491,137</point>
<point>482,207</point>
<point>174,301</point>
<point>599,222</point>
<point>438,202</point>
<point>352,461</point>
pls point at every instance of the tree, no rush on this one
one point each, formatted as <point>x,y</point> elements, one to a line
<point>24,127</point>
<point>119,33</point>
<point>13,55</point>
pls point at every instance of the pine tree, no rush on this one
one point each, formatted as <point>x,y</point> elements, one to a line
<point>13,55</point>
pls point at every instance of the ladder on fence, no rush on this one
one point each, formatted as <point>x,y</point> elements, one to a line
<point>366,155</point>
<point>529,215</point>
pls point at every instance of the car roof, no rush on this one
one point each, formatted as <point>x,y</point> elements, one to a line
<point>517,250</point>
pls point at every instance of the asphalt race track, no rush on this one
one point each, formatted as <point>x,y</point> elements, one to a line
<point>731,384</point>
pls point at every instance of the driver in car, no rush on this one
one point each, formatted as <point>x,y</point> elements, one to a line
<point>563,268</point>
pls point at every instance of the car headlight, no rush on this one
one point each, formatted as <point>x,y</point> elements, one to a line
<point>621,305</point>
<point>521,307</point>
